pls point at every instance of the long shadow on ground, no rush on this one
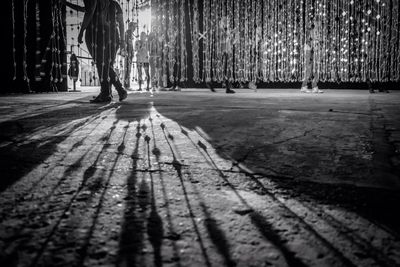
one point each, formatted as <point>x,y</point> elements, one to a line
<point>247,135</point>
<point>26,143</point>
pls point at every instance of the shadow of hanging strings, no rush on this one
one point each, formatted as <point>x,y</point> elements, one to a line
<point>84,184</point>
<point>41,146</point>
<point>350,236</point>
<point>121,148</point>
<point>155,230</point>
<point>71,168</point>
<point>97,186</point>
<point>172,235</point>
<point>216,234</point>
<point>267,229</point>
<point>48,198</point>
<point>177,166</point>
<point>263,226</point>
<point>86,176</point>
<point>132,233</point>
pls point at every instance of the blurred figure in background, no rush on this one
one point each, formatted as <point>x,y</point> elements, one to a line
<point>129,35</point>
<point>142,60</point>
<point>73,71</point>
<point>310,72</point>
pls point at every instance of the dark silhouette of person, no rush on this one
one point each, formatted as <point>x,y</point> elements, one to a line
<point>103,26</point>
<point>73,71</point>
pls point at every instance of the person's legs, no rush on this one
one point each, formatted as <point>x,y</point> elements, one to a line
<point>113,77</point>
<point>227,82</point>
<point>105,86</point>
<point>370,88</point>
<point>210,86</point>
<point>307,72</point>
<point>128,67</point>
<point>146,72</point>
<point>315,81</point>
<point>152,62</point>
<point>304,85</point>
<point>90,38</point>
<point>382,89</point>
<point>101,58</point>
<point>159,73</point>
<point>117,84</point>
<point>139,73</point>
<point>175,75</point>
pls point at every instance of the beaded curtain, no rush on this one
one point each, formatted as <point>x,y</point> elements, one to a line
<point>28,19</point>
<point>357,40</point>
<point>29,37</point>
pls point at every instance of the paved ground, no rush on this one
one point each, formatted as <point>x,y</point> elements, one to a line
<point>192,178</point>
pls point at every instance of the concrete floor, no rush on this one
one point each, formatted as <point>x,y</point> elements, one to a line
<point>194,178</point>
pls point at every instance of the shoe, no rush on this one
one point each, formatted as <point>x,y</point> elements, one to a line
<point>317,91</point>
<point>123,94</point>
<point>171,88</point>
<point>383,90</point>
<point>178,89</point>
<point>228,88</point>
<point>305,90</point>
<point>101,99</point>
<point>162,89</point>
<point>209,86</point>
<point>371,91</point>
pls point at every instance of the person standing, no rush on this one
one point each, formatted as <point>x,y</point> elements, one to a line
<point>142,60</point>
<point>129,35</point>
<point>226,49</point>
<point>73,71</point>
<point>102,25</point>
<point>154,60</point>
<point>310,72</point>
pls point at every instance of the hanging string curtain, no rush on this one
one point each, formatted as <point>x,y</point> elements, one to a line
<point>38,45</point>
<point>356,41</point>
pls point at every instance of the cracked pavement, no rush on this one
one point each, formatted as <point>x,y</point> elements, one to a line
<point>192,178</point>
